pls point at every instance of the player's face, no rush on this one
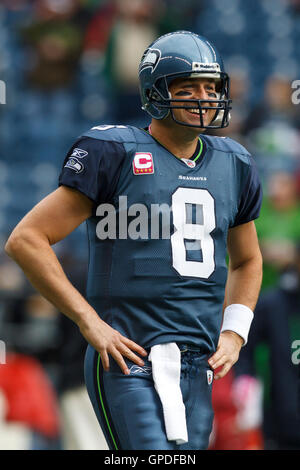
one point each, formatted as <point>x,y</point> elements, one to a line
<point>194,88</point>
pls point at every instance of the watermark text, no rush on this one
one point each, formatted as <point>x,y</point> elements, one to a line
<point>296,93</point>
<point>296,352</point>
<point>2,92</point>
<point>2,352</point>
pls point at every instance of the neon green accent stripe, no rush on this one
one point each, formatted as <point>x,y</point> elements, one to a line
<point>103,409</point>
<point>200,151</point>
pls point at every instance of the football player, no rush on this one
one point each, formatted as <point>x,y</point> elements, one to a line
<point>157,318</point>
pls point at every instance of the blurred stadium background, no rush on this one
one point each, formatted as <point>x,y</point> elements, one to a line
<point>72,64</point>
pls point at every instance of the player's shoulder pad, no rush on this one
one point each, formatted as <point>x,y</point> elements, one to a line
<point>117,133</point>
<point>228,145</point>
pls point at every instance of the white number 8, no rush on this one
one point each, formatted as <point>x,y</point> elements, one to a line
<point>188,231</point>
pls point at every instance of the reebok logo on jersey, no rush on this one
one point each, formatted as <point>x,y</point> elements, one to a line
<point>146,370</point>
<point>79,153</point>
<point>143,164</point>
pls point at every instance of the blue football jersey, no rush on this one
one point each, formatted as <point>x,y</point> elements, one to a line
<point>158,232</point>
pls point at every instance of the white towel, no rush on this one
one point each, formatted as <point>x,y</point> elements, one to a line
<point>166,365</point>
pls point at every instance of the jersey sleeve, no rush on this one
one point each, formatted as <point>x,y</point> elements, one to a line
<point>93,166</point>
<point>251,197</point>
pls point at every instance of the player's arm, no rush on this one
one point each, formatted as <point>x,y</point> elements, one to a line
<point>30,246</point>
<point>242,289</point>
<point>245,266</point>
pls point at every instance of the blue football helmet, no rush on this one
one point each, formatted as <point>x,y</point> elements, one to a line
<point>183,54</point>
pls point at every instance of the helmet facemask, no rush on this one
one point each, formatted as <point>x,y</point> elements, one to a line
<point>159,96</point>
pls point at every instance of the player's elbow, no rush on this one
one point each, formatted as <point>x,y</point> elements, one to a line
<point>13,244</point>
<point>255,266</point>
<point>18,241</point>
<point>260,265</point>
<point>257,260</point>
<point>251,262</point>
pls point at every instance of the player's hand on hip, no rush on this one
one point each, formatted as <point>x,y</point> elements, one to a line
<point>227,353</point>
<point>108,341</point>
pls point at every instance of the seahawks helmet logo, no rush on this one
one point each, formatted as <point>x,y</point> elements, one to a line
<point>150,59</point>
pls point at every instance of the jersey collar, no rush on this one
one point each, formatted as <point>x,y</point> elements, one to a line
<point>199,152</point>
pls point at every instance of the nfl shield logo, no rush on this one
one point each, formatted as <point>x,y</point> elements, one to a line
<point>188,162</point>
<point>210,376</point>
<point>143,163</point>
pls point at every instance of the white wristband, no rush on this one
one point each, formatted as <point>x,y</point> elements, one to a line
<point>238,318</point>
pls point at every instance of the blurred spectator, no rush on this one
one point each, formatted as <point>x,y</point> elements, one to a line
<point>11,278</point>
<point>278,226</point>
<point>273,128</point>
<point>277,103</point>
<point>176,15</point>
<point>239,93</point>
<point>41,336</point>
<point>15,4</point>
<point>28,380</point>
<point>31,400</point>
<point>98,30</point>
<point>237,404</point>
<point>268,354</point>
<point>14,435</point>
<point>47,10</point>
<point>135,27</point>
<point>55,50</point>
<point>295,4</point>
